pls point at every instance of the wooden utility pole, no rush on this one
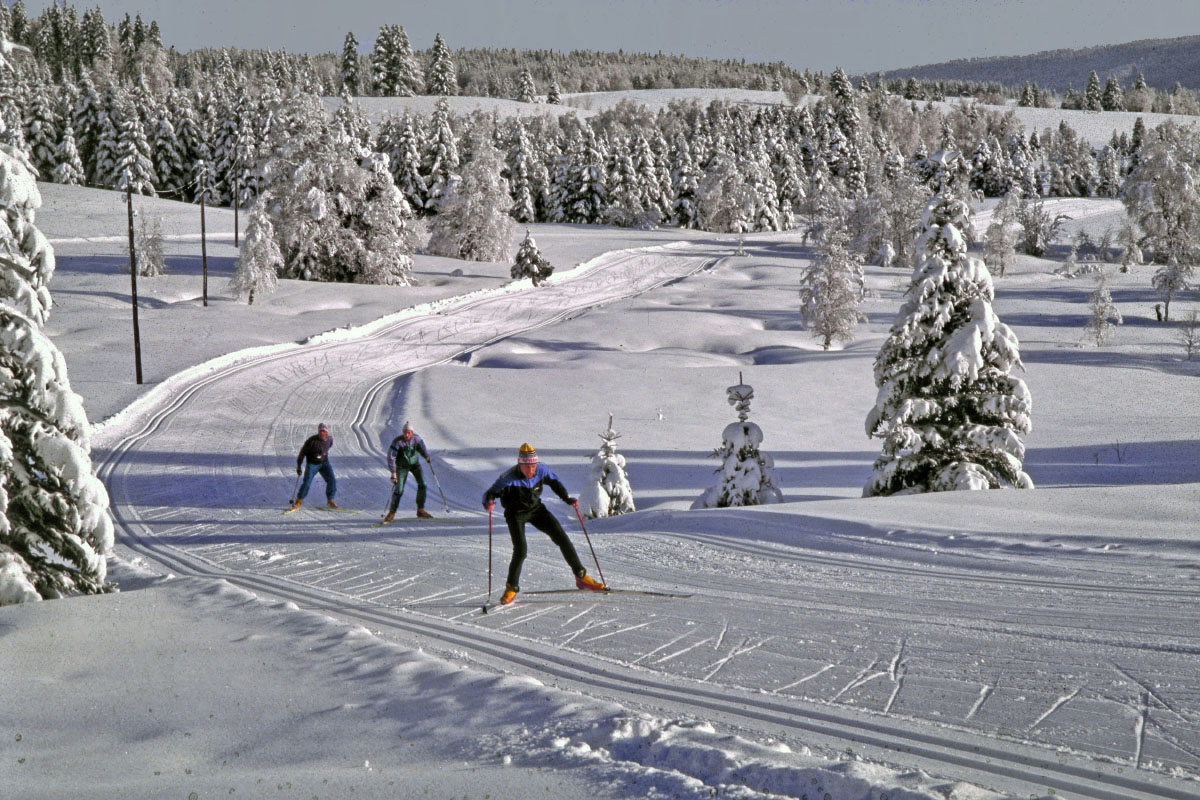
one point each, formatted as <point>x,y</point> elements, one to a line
<point>235,206</point>
<point>137,336</point>
<point>203,178</point>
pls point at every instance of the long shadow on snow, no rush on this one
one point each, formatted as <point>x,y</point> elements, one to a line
<point>221,267</point>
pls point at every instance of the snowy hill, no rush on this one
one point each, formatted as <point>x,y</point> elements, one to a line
<point>1163,63</point>
<point>1036,643</point>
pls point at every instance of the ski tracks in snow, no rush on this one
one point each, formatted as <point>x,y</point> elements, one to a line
<point>780,664</point>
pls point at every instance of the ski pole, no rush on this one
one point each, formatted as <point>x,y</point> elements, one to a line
<point>439,485</point>
<point>599,571</point>
<point>295,490</point>
<point>489,555</point>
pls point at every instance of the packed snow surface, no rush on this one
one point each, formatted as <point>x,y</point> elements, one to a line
<point>961,645</point>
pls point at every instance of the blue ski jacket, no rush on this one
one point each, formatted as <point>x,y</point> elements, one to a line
<point>518,493</point>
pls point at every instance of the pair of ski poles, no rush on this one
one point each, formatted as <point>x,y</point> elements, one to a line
<point>587,538</point>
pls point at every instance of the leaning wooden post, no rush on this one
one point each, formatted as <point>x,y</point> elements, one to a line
<point>137,337</point>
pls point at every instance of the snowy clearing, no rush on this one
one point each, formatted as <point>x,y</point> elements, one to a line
<point>1025,643</point>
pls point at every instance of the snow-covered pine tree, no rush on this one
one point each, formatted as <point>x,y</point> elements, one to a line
<point>520,167</point>
<point>441,157</point>
<point>1092,98</point>
<point>352,121</point>
<point>553,96</point>
<point>54,525</point>
<point>132,168</point>
<point>587,189</point>
<point>685,180</point>
<point>85,120</point>
<point>1103,314</point>
<point>623,201</point>
<point>383,59</point>
<point>747,475</point>
<point>949,411</point>
<point>473,221</point>
<point>526,88</point>
<point>41,128</point>
<point>442,78</point>
<point>170,166</point>
<point>260,261</point>
<point>68,169</point>
<point>409,77</point>
<point>607,492</point>
<point>350,73</point>
<point>530,263</point>
<point>401,141</point>
<point>831,290</point>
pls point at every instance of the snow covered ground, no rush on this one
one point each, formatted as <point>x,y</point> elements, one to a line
<point>1032,644</point>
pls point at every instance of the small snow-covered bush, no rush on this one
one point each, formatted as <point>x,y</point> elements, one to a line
<point>530,263</point>
<point>607,492</point>
<point>747,475</point>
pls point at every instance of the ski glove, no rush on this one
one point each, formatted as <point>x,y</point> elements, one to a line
<point>573,501</point>
<point>489,505</point>
<point>394,478</point>
<point>299,471</point>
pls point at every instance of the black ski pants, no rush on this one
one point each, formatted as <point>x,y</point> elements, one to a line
<point>540,518</point>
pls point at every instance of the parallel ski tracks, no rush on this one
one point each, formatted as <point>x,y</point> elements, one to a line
<point>940,573</point>
<point>982,760</point>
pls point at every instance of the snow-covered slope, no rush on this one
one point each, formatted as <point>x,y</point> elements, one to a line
<point>1035,643</point>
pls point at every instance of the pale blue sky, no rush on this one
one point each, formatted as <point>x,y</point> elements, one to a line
<point>858,35</point>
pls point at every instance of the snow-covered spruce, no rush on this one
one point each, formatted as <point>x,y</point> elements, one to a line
<point>259,261</point>
<point>530,263</point>
<point>747,475</point>
<point>607,492</point>
<point>948,410</point>
<point>54,525</point>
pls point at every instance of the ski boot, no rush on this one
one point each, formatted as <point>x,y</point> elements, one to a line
<point>586,581</point>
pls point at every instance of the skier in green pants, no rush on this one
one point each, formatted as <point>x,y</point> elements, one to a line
<point>404,456</point>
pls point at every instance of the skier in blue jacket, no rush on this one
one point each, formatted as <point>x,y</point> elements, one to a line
<point>404,456</point>
<point>520,492</point>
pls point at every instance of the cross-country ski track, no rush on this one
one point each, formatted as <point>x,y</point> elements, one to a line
<point>845,644</point>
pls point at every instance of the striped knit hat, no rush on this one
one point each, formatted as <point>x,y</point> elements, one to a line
<point>527,455</point>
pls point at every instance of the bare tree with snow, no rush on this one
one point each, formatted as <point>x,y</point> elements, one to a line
<point>948,409</point>
<point>1169,280</point>
<point>1103,313</point>
<point>831,290</point>
<point>473,222</point>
